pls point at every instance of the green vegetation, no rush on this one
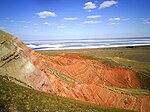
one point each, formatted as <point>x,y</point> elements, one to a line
<point>144,78</point>
<point>134,91</point>
<point>16,98</point>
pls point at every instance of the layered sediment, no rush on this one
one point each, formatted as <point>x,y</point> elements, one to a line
<point>70,75</point>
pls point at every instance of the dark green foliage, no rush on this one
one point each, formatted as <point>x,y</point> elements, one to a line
<point>144,78</point>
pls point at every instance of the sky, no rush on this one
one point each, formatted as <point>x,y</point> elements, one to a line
<point>75,19</point>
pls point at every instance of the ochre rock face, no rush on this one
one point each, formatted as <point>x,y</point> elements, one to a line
<point>71,75</point>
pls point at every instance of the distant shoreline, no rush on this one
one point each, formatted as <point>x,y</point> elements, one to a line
<point>98,47</point>
<point>89,39</point>
<point>86,44</point>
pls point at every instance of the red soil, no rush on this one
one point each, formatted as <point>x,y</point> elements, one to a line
<point>91,81</point>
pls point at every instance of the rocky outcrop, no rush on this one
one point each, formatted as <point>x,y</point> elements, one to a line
<point>71,75</point>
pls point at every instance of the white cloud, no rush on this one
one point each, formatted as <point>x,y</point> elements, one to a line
<point>106,4</point>
<point>113,23</point>
<point>62,26</point>
<point>146,22</point>
<point>70,19</point>
<point>23,21</point>
<point>125,18</point>
<point>46,14</point>
<point>114,19</point>
<point>46,23</point>
<point>89,6</point>
<point>118,19</point>
<point>91,22</point>
<point>94,16</point>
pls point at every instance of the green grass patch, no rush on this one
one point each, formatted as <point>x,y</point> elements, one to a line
<point>14,98</point>
<point>135,91</point>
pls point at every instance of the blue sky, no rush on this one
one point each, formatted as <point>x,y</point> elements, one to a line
<point>75,19</point>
